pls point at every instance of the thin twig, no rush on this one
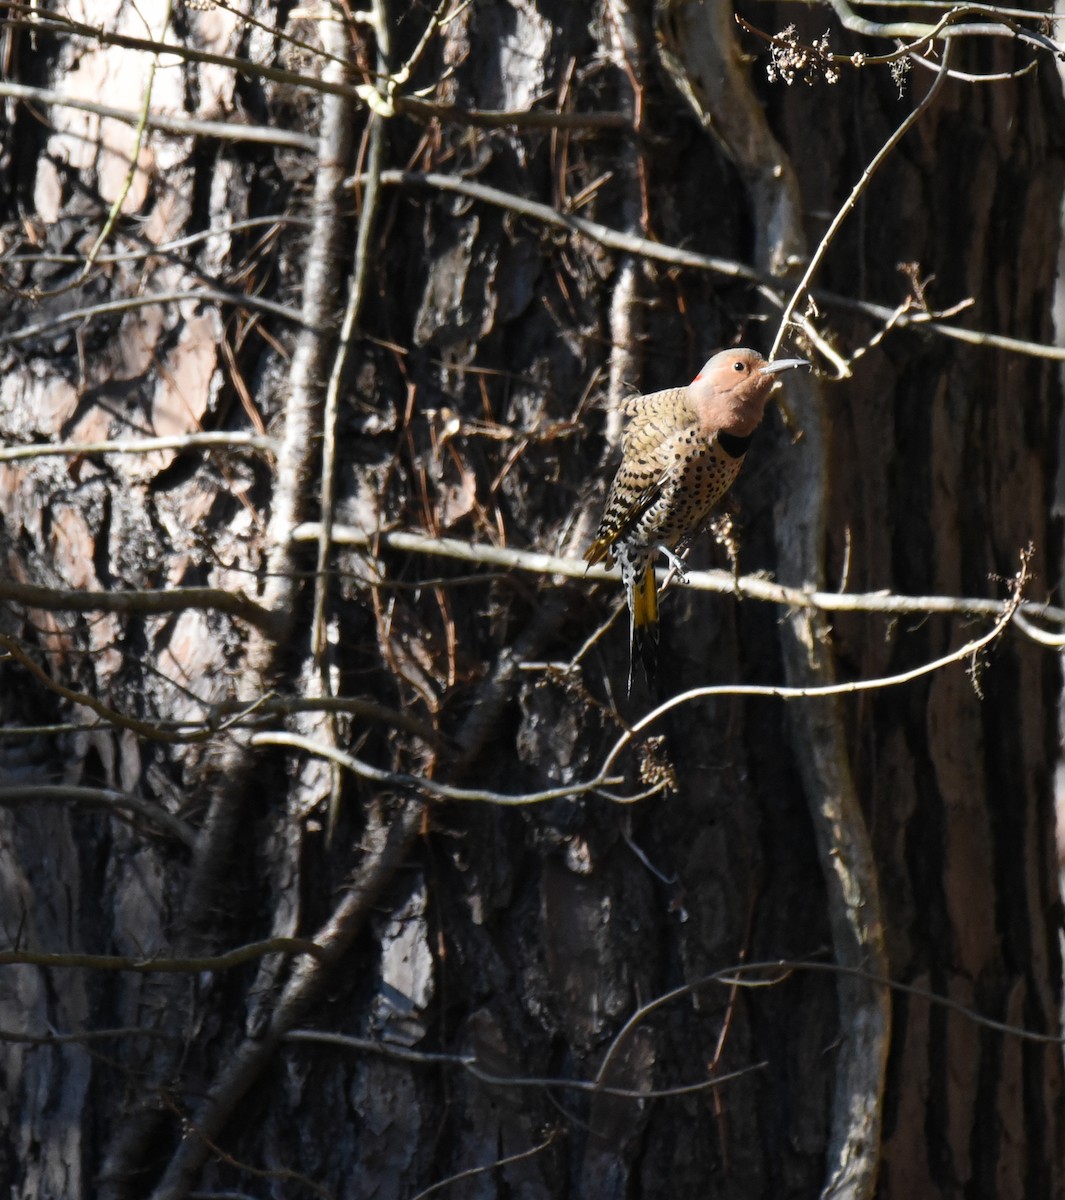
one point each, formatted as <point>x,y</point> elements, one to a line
<point>139,130</point>
<point>473,1172</point>
<point>234,714</point>
<point>872,167</point>
<point>470,1064</point>
<point>614,239</point>
<point>733,975</point>
<point>968,77</point>
<point>332,395</point>
<point>86,1036</point>
<point>415,783</point>
<point>153,249</point>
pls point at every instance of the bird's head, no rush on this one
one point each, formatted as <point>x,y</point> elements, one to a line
<point>731,390</point>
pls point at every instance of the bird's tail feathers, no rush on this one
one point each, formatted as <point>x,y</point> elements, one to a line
<point>643,626</point>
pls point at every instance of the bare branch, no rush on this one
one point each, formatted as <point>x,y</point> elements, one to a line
<point>614,239</point>
<point>603,779</point>
<point>953,24</point>
<point>968,77</point>
<point>872,167</point>
<point>629,243</point>
<point>999,10</point>
<point>180,966</point>
<point>146,729</point>
<point>430,787</point>
<point>228,131</point>
<point>148,445</point>
<point>469,1063</point>
<point>753,586</point>
<point>231,714</point>
<point>129,303</point>
<point>968,651</point>
<point>152,249</point>
<point>85,1036</point>
<point>117,802</point>
<point>732,975</point>
<point>139,129</point>
<point>413,106</point>
<point>292,492</point>
<point>473,1172</point>
<point>137,603</point>
<point>375,136</point>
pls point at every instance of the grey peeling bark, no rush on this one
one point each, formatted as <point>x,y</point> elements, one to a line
<point>700,52</point>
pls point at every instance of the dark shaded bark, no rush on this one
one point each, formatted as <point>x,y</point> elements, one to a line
<point>469,948</point>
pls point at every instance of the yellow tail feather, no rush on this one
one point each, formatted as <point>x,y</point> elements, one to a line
<point>643,605</point>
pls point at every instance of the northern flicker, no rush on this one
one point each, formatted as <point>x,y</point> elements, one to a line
<point>681,451</point>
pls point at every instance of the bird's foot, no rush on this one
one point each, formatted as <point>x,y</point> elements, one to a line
<point>676,563</point>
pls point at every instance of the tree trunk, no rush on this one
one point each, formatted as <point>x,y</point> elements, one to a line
<point>384,294</point>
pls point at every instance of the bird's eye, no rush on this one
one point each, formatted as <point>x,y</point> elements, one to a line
<point>739,366</point>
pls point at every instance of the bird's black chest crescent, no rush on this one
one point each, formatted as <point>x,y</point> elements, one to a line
<point>733,446</point>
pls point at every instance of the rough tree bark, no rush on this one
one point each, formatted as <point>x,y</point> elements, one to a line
<point>465,948</point>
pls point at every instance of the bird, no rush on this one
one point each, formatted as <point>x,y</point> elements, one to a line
<point>681,451</point>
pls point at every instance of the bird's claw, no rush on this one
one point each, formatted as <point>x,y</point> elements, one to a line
<point>676,563</point>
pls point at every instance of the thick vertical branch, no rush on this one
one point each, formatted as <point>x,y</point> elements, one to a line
<point>230,768</point>
<point>626,321</point>
<point>700,52</point>
<point>376,136</point>
<point>294,482</point>
<point>624,44</point>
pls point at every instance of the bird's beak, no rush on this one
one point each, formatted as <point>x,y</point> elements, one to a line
<point>783,364</point>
